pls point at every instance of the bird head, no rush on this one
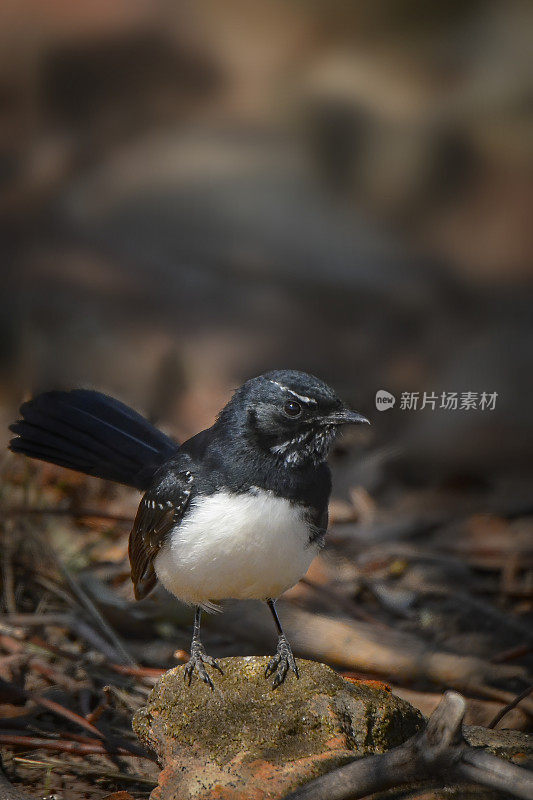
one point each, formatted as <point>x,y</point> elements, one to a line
<point>291,415</point>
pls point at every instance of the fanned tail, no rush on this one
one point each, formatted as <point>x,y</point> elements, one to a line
<point>91,433</point>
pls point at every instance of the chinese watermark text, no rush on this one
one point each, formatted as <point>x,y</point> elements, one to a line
<point>446,401</point>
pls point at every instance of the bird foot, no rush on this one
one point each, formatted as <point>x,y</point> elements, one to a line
<point>196,662</point>
<point>281,663</point>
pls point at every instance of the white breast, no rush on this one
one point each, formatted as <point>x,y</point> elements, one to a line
<point>241,546</point>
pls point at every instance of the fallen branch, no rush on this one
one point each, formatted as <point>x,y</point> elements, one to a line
<point>478,712</point>
<point>340,601</point>
<point>391,655</point>
<point>439,753</point>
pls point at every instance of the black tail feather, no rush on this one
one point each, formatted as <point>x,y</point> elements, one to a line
<point>92,433</point>
<point>58,433</point>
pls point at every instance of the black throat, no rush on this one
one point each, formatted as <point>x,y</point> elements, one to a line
<point>234,460</point>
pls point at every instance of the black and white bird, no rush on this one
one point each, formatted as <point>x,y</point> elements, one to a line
<point>238,511</point>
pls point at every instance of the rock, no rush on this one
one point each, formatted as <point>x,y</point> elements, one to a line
<point>515,746</point>
<point>246,741</point>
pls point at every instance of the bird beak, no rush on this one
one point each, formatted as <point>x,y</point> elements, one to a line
<point>346,417</point>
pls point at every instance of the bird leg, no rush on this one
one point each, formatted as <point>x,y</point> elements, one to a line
<point>198,655</point>
<point>284,659</point>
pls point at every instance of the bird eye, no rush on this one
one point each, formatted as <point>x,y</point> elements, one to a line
<point>292,408</point>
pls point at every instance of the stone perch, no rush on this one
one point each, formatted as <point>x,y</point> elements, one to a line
<point>246,741</point>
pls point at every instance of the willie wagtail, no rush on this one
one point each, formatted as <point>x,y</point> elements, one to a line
<point>238,511</point>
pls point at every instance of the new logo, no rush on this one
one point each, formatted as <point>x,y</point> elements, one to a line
<point>384,400</point>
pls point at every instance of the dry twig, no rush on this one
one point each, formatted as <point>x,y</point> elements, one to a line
<point>509,707</point>
<point>50,705</point>
<point>87,747</point>
<point>90,607</point>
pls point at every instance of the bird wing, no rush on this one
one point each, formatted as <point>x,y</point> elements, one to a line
<point>319,525</point>
<point>160,510</point>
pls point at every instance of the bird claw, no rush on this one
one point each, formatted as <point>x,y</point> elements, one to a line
<point>196,662</point>
<point>281,663</point>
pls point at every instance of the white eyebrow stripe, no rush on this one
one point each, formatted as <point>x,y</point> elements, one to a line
<point>301,397</point>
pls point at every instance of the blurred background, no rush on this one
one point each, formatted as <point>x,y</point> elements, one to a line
<point>193,193</point>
